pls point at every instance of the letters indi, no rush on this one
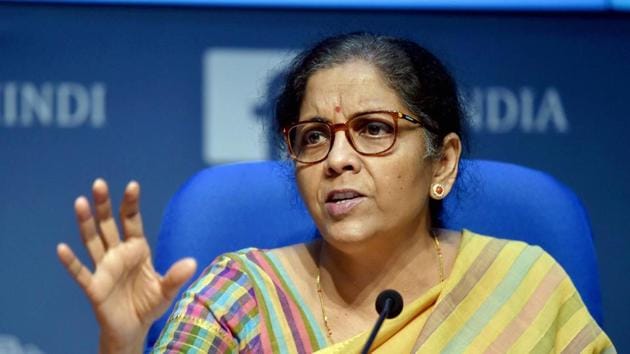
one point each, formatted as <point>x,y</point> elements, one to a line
<point>62,105</point>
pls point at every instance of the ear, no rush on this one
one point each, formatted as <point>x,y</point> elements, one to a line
<point>446,166</point>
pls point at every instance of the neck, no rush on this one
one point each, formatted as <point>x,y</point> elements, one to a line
<point>353,280</point>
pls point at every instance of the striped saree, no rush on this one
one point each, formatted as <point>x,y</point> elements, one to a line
<point>501,296</point>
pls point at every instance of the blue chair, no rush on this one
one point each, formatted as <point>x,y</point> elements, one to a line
<point>229,207</point>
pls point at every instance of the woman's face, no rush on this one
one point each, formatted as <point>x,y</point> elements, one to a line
<point>355,198</point>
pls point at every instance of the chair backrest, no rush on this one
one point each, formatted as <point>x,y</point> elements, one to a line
<point>256,204</point>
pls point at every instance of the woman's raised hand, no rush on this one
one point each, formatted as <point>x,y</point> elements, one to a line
<point>126,292</point>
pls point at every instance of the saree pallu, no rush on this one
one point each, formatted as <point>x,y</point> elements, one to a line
<point>501,296</point>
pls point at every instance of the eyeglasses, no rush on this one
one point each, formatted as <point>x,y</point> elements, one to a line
<point>369,133</point>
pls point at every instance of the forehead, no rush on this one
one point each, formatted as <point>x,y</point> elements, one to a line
<point>352,87</point>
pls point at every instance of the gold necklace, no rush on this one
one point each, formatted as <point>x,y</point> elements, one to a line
<point>438,250</point>
<point>321,305</point>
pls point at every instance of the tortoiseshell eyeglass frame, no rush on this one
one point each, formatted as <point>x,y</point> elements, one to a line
<point>334,128</point>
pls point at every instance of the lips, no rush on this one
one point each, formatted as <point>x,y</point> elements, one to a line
<point>341,201</point>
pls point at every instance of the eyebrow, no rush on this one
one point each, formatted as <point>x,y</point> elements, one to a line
<point>326,120</point>
<point>374,110</point>
<point>316,119</point>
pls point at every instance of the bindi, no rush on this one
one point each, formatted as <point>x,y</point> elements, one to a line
<point>337,109</point>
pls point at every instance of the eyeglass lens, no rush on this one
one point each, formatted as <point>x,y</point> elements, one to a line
<point>371,133</point>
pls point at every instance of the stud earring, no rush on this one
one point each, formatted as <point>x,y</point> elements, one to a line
<point>437,191</point>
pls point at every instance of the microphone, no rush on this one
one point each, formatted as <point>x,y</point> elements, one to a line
<point>389,304</point>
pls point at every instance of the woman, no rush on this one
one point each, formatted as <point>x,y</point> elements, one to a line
<point>373,124</point>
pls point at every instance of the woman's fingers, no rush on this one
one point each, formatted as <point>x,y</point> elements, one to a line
<point>176,276</point>
<point>130,211</point>
<point>99,231</point>
<point>88,230</point>
<point>104,216</point>
<point>74,266</point>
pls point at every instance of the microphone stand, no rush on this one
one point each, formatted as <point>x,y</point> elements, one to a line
<point>389,304</point>
<point>377,326</point>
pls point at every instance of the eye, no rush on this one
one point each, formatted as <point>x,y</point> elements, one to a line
<point>314,136</point>
<point>374,127</point>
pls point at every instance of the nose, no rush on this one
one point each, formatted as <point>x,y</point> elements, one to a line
<point>342,157</point>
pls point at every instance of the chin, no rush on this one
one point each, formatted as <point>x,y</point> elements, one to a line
<point>346,236</point>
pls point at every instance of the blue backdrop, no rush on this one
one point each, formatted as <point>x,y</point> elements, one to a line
<point>150,93</point>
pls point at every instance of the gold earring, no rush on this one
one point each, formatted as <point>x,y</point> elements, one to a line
<point>437,191</point>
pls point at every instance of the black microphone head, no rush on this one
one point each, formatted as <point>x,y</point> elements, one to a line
<point>395,299</point>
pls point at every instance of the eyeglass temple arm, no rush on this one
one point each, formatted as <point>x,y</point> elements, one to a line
<point>426,121</point>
